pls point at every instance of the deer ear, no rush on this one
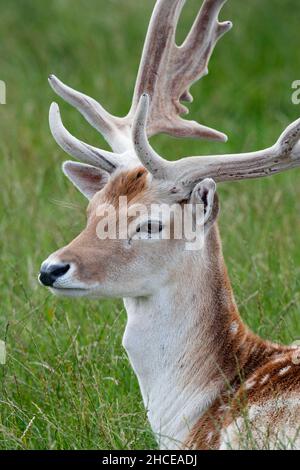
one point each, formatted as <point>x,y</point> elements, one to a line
<point>88,179</point>
<point>205,193</point>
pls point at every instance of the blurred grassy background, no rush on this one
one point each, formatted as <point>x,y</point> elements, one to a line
<point>67,383</point>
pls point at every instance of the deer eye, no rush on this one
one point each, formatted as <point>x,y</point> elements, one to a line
<point>154,227</point>
<point>150,227</point>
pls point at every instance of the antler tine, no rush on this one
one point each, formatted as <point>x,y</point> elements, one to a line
<point>195,52</point>
<point>111,127</point>
<point>76,148</point>
<point>147,156</point>
<point>167,71</point>
<point>282,156</point>
<point>206,29</point>
<point>159,42</point>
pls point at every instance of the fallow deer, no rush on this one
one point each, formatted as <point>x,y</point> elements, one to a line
<point>206,380</point>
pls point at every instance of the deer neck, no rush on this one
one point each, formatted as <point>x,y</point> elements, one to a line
<point>184,342</point>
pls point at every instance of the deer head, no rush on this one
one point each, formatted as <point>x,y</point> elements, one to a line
<point>137,264</point>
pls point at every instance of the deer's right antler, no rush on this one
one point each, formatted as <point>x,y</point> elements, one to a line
<point>166,73</point>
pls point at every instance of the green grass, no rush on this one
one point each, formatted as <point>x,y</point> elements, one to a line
<point>67,383</point>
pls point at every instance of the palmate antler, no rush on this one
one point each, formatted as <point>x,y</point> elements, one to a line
<point>166,73</point>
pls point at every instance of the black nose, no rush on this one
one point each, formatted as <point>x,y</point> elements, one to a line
<point>49,273</point>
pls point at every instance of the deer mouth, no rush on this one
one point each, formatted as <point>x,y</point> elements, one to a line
<point>71,291</point>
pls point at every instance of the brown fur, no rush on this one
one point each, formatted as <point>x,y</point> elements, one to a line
<point>82,249</point>
<point>131,184</point>
<point>241,357</point>
<point>236,400</point>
